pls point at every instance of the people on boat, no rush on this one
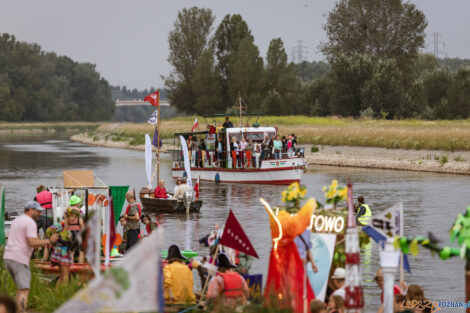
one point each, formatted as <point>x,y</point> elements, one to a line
<point>277,146</point>
<point>179,181</point>
<point>22,240</point>
<point>241,152</point>
<point>182,189</point>
<point>178,280</point>
<point>122,246</point>
<point>149,224</point>
<point>160,191</point>
<point>249,152</point>
<point>77,224</point>
<point>62,253</point>
<point>44,198</point>
<point>219,152</point>
<point>363,214</point>
<point>132,216</point>
<point>227,289</point>
<point>227,123</point>
<point>234,149</point>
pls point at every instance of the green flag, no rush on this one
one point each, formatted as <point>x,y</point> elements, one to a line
<point>119,197</point>
<point>2,216</point>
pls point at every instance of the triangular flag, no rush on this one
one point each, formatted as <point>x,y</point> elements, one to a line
<point>195,125</point>
<point>155,136</point>
<point>234,237</point>
<point>119,197</point>
<point>153,98</point>
<point>153,118</point>
<point>388,222</point>
<point>196,188</point>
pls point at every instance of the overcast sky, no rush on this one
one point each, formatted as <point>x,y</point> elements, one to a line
<point>127,40</point>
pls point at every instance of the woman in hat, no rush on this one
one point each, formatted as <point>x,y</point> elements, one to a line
<point>227,289</point>
<point>76,225</point>
<point>177,279</point>
<point>179,181</point>
<point>149,224</point>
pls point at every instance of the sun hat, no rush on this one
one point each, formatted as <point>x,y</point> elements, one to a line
<point>340,273</point>
<point>75,200</point>
<point>175,253</point>
<point>223,261</point>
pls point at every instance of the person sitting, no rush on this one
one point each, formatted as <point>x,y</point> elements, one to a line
<point>228,289</point>
<point>182,189</point>
<point>179,181</point>
<point>160,191</point>
<point>122,246</point>
<point>177,279</point>
<point>149,224</point>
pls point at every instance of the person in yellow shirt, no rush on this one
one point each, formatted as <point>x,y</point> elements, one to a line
<point>177,279</point>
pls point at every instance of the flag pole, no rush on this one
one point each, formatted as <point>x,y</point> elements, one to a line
<point>158,136</point>
<point>203,292</point>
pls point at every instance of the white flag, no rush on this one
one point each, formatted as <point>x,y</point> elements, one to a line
<point>148,160</point>
<point>187,166</point>
<point>389,222</point>
<point>153,118</point>
<point>133,285</point>
<point>93,243</point>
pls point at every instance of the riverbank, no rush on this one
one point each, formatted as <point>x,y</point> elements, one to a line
<point>362,157</point>
<point>42,127</point>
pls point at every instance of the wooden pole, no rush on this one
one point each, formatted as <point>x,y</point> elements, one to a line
<point>203,292</point>
<point>240,104</point>
<point>158,137</point>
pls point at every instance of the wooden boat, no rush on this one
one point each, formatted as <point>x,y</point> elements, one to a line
<point>151,204</point>
<point>83,270</point>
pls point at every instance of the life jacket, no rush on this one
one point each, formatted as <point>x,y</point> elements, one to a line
<point>129,206</point>
<point>232,284</point>
<point>44,198</point>
<point>364,219</point>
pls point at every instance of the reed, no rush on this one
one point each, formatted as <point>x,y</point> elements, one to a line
<point>401,134</point>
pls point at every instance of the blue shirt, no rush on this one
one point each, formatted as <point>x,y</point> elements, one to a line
<point>301,245</point>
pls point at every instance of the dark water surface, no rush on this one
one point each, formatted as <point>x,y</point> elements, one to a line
<point>431,202</point>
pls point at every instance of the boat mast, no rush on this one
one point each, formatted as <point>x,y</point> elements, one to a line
<point>240,104</point>
<point>158,138</point>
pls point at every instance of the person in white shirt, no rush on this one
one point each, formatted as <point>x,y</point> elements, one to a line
<point>339,280</point>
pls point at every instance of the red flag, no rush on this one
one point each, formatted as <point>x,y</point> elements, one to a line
<point>196,188</point>
<point>234,237</point>
<point>195,125</point>
<point>153,98</point>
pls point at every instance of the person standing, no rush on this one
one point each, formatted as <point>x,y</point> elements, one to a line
<point>132,216</point>
<point>178,280</point>
<point>44,198</point>
<point>22,240</point>
<point>264,149</point>
<point>241,152</point>
<point>250,147</point>
<point>227,123</point>
<point>228,289</point>
<point>277,147</point>
<point>234,149</point>
<point>363,214</point>
<point>339,281</point>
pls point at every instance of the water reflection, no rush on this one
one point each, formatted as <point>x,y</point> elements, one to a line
<point>431,202</point>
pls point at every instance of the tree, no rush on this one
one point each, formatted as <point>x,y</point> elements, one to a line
<point>459,94</point>
<point>246,74</point>
<point>309,71</point>
<point>346,79</point>
<point>206,86</point>
<point>187,41</point>
<point>384,92</point>
<point>281,79</point>
<point>227,38</point>
<point>315,98</point>
<point>381,29</point>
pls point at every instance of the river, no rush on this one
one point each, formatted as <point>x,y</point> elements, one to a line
<point>431,202</point>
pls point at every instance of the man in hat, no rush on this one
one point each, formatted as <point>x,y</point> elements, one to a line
<point>227,289</point>
<point>177,279</point>
<point>22,240</point>
<point>339,280</point>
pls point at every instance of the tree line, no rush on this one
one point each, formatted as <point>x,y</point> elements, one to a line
<point>373,67</point>
<point>41,86</point>
<point>123,93</point>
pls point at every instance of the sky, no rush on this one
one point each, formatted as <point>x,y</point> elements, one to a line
<point>127,40</point>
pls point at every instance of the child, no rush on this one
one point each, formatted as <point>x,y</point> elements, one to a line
<point>336,304</point>
<point>317,306</point>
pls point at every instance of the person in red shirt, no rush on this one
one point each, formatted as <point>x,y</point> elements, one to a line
<point>160,191</point>
<point>379,279</point>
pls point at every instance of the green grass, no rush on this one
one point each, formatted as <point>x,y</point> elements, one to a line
<point>43,296</point>
<point>401,134</point>
<point>459,159</point>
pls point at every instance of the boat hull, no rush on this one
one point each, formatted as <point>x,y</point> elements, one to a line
<point>274,172</point>
<point>166,205</point>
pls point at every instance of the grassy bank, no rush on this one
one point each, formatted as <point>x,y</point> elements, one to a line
<point>404,134</point>
<point>45,126</point>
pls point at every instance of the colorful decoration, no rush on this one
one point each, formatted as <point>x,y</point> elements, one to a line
<point>292,196</point>
<point>59,228</point>
<point>335,194</point>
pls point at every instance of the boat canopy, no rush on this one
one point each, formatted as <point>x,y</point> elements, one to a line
<point>191,133</point>
<point>251,133</point>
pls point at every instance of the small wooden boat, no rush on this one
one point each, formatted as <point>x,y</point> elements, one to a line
<point>151,204</point>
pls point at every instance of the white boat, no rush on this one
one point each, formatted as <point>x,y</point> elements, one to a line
<point>282,171</point>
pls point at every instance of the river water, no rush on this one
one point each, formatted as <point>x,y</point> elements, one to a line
<point>431,202</point>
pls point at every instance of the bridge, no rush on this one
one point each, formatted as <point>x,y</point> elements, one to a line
<point>126,103</point>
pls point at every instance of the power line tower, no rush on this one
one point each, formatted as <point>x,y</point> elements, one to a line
<point>299,52</point>
<point>436,44</point>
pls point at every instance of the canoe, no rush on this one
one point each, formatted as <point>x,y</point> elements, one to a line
<point>82,269</point>
<point>165,205</point>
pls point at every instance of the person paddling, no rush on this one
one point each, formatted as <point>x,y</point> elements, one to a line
<point>228,289</point>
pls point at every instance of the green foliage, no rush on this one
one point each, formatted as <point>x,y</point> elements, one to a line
<point>40,86</point>
<point>308,71</point>
<point>187,41</point>
<point>381,29</point>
